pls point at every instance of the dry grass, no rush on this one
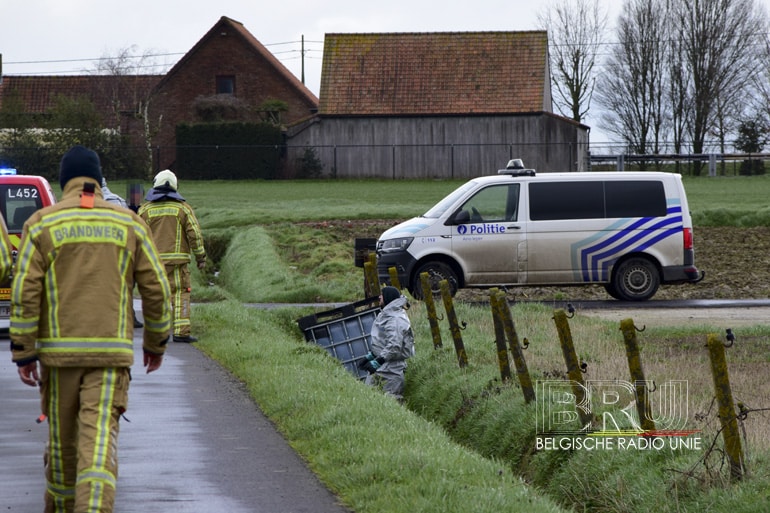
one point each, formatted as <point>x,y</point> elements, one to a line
<point>667,355</point>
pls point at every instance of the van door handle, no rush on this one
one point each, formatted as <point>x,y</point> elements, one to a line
<point>514,227</point>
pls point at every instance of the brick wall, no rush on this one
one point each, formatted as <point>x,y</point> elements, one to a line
<point>223,51</point>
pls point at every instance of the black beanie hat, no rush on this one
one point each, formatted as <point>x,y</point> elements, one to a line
<point>79,161</point>
<point>389,294</point>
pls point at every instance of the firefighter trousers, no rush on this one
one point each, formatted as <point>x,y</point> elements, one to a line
<point>179,281</point>
<point>83,405</point>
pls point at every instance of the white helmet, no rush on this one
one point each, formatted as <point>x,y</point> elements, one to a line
<point>165,177</point>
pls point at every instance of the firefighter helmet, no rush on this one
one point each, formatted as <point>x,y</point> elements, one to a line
<point>165,177</point>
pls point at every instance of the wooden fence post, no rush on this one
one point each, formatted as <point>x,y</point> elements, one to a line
<point>371,279</point>
<point>727,415</point>
<point>454,325</point>
<point>430,304</point>
<point>393,272</point>
<point>502,350</point>
<point>518,356</point>
<point>637,375</point>
<point>573,367</point>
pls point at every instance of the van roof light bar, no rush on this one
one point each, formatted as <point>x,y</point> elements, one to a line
<point>515,167</point>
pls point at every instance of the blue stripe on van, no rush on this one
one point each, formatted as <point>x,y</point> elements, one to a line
<point>596,254</point>
<point>635,238</point>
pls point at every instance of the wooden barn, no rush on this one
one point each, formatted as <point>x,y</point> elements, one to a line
<point>437,105</point>
<point>391,105</point>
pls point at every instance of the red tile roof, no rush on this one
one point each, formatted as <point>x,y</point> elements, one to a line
<point>38,93</point>
<point>435,73</point>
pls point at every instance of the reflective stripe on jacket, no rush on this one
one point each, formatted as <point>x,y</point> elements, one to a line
<point>72,292</point>
<point>6,252</point>
<point>175,230</point>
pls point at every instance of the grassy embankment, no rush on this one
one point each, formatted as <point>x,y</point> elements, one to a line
<point>465,441</point>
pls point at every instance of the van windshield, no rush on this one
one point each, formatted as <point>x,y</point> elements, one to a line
<point>441,207</point>
<point>17,203</point>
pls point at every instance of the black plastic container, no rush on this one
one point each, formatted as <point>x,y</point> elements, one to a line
<point>344,332</point>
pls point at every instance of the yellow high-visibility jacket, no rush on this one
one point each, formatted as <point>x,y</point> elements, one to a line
<point>175,229</point>
<point>6,251</point>
<point>72,290</point>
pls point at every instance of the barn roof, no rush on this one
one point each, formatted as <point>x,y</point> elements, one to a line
<point>38,94</point>
<point>435,73</point>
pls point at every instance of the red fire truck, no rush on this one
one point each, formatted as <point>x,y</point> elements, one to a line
<point>20,197</point>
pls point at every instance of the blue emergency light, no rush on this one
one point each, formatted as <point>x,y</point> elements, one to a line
<point>7,171</point>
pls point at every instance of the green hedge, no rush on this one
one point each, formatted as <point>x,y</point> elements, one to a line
<point>229,151</point>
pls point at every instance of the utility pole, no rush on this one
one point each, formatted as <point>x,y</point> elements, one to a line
<point>303,59</point>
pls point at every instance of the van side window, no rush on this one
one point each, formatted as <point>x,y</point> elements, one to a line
<point>566,200</point>
<point>496,203</point>
<point>596,200</point>
<point>635,199</point>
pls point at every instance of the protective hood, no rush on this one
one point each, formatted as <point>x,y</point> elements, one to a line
<point>163,193</point>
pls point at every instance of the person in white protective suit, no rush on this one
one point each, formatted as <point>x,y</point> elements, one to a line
<point>392,344</point>
<point>118,200</point>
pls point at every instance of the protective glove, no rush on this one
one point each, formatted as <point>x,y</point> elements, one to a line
<point>371,366</point>
<point>364,362</point>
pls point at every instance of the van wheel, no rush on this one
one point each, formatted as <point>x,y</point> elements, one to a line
<point>635,279</point>
<point>437,271</point>
<point>610,288</point>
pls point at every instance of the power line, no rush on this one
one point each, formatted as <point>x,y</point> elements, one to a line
<point>760,41</point>
<point>146,56</point>
<point>97,59</point>
<point>599,64</point>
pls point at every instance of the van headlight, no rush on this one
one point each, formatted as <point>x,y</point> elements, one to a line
<point>395,245</point>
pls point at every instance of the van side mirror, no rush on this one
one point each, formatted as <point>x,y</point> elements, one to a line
<point>460,217</point>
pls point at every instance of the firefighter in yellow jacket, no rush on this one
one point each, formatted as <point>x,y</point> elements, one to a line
<point>177,234</point>
<point>6,251</point>
<point>6,262</point>
<point>71,312</point>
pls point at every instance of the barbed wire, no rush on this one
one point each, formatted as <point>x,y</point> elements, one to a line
<point>710,418</point>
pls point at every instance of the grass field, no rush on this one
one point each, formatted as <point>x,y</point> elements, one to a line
<point>465,441</point>
<point>717,201</point>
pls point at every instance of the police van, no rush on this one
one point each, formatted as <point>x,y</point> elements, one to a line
<point>628,231</point>
<point>20,197</point>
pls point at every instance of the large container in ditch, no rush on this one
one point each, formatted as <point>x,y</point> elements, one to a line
<point>344,332</point>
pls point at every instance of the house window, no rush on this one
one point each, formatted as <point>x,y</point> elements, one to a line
<point>226,84</point>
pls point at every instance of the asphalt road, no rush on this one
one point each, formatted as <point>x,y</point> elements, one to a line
<point>724,314</point>
<point>195,442</point>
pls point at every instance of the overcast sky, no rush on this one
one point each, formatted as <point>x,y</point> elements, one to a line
<point>39,37</point>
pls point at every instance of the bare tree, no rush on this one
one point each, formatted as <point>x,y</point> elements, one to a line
<point>718,44</point>
<point>759,98</point>
<point>678,91</point>
<point>576,30</point>
<point>734,108</point>
<point>632,90</point>
<point>128,89</point>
